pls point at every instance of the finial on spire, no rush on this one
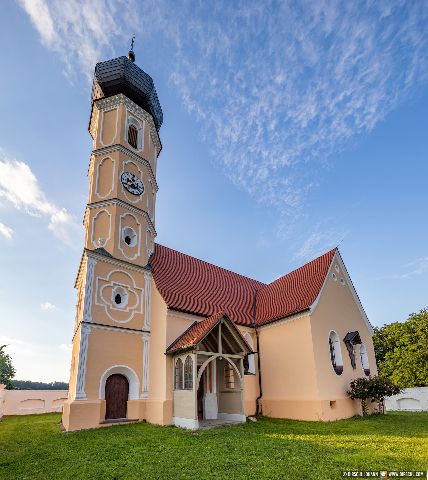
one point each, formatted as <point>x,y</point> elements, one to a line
<point>131,54</point>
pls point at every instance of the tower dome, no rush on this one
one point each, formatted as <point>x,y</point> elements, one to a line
<point>121,75</point>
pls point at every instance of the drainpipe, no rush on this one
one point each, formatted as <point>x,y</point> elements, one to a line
<point>258,403</point>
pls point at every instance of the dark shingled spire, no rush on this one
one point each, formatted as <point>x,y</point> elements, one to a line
<point>122,75</point>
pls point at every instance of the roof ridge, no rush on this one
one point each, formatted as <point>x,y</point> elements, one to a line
<point>212,264</point>
<point>301,266</point>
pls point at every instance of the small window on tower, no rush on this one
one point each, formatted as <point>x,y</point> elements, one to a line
<point>119,297</point>
<point>133,136</point>
<point>129,236</point>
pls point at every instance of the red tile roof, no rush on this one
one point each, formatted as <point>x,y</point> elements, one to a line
<point>294,292</point>
<point>191,285</point>
<point>199,330</point>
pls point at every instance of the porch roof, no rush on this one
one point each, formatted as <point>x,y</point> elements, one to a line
<point>199,330</point>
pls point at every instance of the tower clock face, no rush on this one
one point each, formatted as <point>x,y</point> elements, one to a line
<point>132,183</point>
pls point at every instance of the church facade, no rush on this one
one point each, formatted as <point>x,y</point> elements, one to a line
<point>163,337</point>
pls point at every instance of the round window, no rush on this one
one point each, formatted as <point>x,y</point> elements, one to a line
<point>119,297</point>
<point>129,236</point>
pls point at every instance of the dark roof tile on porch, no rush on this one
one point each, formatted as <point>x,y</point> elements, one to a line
<point>199,330</point>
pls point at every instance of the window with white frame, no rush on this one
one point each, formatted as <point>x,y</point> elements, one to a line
<point>249,359</point>
<point>188,373</point>
<point>335,352</point>
<point>135,133</point>
<point>364,359</point>
<point>178,374</point>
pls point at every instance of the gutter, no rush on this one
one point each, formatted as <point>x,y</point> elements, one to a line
<point>258,399</point>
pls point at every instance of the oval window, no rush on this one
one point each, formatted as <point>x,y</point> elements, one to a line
<point>335,353</point>
<point>364,359</point>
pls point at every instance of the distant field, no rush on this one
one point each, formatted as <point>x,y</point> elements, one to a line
<point>34,447</point>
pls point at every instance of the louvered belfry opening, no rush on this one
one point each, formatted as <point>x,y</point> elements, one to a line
<point>133,136</point>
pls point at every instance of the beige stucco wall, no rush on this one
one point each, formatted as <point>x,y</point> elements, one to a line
<point>26,402</point>
<point>159,402</point>
<point>110,127</point>
<point>184,404</point>
<point>298,379</point>
<point>288,369</point>
<point>338,310</point>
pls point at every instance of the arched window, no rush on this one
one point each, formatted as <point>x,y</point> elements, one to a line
<point>133,136</point>
<point>178,374</point>
<point>335,352</point>
<point>364,359</point>
<point>229,376</point>
<point>249,363</point>
<point>188,373</point>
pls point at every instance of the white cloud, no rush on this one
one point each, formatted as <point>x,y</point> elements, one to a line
<point>34,361</point>
<point>319,242</point>
<point>66,347</point>
<point>6,231</point>
<point>20,188</point>
<point>47,306</point>
<point>413,269</point>
<point>80,31</point>
<point>276,86</point>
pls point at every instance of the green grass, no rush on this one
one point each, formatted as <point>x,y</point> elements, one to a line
<point>34,447</point>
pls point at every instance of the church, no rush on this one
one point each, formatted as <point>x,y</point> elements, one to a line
<point>163,337</point>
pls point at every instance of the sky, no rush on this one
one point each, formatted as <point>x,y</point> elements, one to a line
<point>289,128</point>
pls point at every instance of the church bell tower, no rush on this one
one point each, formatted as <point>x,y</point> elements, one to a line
<point>111,341</point>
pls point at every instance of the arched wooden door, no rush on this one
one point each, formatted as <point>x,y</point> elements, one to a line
<point>116,395</point>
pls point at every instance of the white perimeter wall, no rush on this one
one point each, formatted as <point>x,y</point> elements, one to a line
<point>25,402</point>
<point>411,399</point>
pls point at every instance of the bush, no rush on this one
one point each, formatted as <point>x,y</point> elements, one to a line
<point>373,388</point>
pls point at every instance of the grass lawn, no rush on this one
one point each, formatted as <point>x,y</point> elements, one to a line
<point>34,447</point>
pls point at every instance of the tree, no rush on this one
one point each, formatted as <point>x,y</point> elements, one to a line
<point>374,389</point>
<point>401,350</point>
<point>7,372</point>
<point>30,385</point>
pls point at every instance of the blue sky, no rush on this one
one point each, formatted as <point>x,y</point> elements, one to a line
<point>289,127</point>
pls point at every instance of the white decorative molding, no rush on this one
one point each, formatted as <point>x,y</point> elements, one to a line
<point>121,203</point>
<point>132,198</point>
<point>133,307</point>
<point>120,148</point>
<point>103,112</point>
<point>99,326</point>
<point>147,299</point>
<point>108,103</point>
<point>132,119</point>
<point>93,240</point>
<point>121,241</point>
<point>146,360</point>
<point>127,372</point>
<point>113,176</point>
<point>188,423</point>
<point>85,330</point>
<point>150,243</point>
<point>89,287</point>
<point>115,261</point>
